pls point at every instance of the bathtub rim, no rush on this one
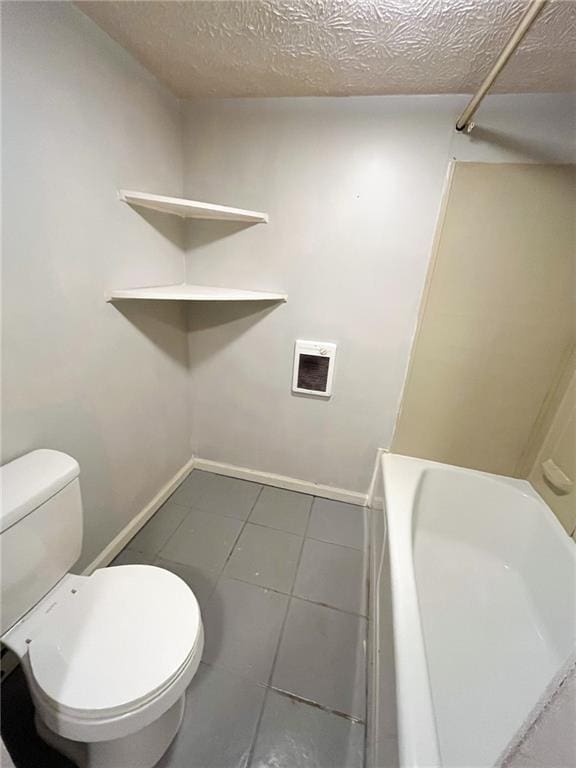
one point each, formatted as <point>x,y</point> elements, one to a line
<point>418,742</point>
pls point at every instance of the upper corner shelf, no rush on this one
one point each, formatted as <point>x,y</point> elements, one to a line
<point>191,209</point>
<point>186,292</point>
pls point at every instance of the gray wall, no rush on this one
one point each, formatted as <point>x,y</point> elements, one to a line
<point>107,384</point>
<point>353,187</point>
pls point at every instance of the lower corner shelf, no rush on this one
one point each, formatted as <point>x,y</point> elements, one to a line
<point>186,292</point>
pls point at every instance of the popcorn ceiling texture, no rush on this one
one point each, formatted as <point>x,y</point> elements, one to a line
<point>340,47</point>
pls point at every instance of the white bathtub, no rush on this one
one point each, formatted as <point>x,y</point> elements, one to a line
<point>474,614</point>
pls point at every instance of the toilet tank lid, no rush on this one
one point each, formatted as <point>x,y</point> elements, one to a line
<point>29,481</point>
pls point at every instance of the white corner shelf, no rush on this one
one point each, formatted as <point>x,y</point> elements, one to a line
<point>191,209</point>
<point>186,292</point>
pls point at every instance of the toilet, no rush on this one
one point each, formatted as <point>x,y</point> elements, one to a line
<point>107,657</point>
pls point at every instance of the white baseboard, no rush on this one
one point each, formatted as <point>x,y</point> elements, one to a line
<point>281,481</point>
<point>129,531</point>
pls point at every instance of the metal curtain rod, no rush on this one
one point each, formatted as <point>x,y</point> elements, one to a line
<point>529,17</point>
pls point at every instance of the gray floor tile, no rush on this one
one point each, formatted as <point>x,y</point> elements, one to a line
<point>242,624</point>
<point>333,575</point>
<point>200,580</point>
<point>203,540</point>
<point>296,735</point>
<point>228,496</point>
<point>322,657</point>
<point>266,557</point>
<point>284,510</point>
<point>130,557</point>
<point>337,523</point>
<point>159,528</point>
<point>222,711</point>
<point>191,490</point>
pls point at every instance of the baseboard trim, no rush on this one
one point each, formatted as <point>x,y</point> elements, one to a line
<point>281,481</point>
<point>129,531</point>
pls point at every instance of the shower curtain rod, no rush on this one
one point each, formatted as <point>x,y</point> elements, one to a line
<point>528,18</point>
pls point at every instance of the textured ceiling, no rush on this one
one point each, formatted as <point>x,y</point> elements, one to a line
<point>340,47</point>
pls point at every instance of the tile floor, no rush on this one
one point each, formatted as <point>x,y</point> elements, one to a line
<point>281,582</point>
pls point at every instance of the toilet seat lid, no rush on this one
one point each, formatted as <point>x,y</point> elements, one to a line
<point>121,638</point>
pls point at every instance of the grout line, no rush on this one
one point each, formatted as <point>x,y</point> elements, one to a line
<point>272,528</point>
<point>334,544</point>
<point>300,554</point>
<point>218,514</point>
<point>281,692</point>
<point>331,607</point>
<point>217,581</point>
<point>316,705</point>
<point>296,597</point>
<point>172,534</point>
<point>240,532</point>
<point>280,637</point>
<point>305,599</point>
<point>299,535</point>
<point>282,628</point>
<point>172,504</point>
<point>211,513</point>
<point>257,729</point>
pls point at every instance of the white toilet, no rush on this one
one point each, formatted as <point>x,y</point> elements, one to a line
<point>107,657</point>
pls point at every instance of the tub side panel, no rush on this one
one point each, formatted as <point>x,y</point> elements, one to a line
<point>382,723</point>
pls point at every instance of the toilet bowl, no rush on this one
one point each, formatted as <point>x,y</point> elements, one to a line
<point>107,657</point>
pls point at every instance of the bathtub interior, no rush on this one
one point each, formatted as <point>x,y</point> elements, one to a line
<point>495,579</point>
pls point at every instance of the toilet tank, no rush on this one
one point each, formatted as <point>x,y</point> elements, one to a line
<point>40,528</point>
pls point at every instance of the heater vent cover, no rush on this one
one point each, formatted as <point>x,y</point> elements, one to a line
<point>313,368</point>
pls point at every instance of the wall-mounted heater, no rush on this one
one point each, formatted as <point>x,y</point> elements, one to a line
<point>313,368</point>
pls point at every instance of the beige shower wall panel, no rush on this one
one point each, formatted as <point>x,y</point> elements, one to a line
<point>497,318</point>
<point>560,446</point>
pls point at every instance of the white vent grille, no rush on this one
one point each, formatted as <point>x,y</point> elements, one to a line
<point>313,368</point>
